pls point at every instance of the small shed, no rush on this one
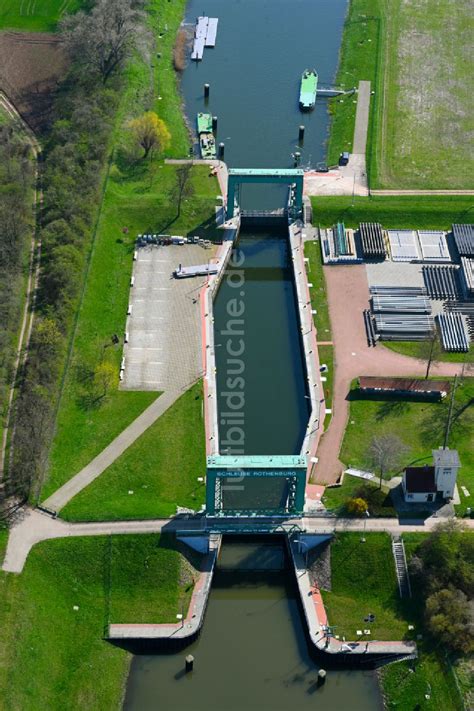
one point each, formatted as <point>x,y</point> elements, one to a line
<point>419,484</point>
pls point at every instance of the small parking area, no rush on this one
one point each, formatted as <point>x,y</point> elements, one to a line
<point>163,351</point>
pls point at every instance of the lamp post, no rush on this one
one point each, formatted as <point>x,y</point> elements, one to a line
<point>180,617</point>
<point>367,515</point>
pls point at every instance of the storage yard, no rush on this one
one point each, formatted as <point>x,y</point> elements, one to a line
<point>421,282</point>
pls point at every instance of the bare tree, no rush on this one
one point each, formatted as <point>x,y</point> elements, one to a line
<point>183,187</point>
<point>385,453</point>
<point>430,351</point>
<point>103,39</point>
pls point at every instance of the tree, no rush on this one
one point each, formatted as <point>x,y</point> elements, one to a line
<point>150,132</point>
<point>105,378</point>
<point>449,617</point>
<point>102,40</point>
<point>385,453</point>
<point>430,351</point>
<point>357,507</point>
<point>183,187</point>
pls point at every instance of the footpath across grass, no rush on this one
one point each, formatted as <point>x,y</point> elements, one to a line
<point>54,615</point>
<point>419,424</point>
<point>35,15</point>
<point>156,473</point>
<point>138,199</point>
<point>402,212</point>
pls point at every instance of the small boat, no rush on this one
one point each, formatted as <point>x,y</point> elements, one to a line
<point>204,123</point>
<point>207,142</point>
<point>308,89</point>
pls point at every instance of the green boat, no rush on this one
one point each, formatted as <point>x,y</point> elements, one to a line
<point>207,142</point>
<point>308,90</point>
<point>204,123</point>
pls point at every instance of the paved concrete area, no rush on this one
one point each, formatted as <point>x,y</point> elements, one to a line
<point>350,179</point>
<point>163,349</point>
<point>348,296</point>
<point>33,527</point>
<point>390,273</point>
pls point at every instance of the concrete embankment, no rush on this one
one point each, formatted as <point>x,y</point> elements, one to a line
<point>175,635</point>
<point>309,343</point>
<point>336,652</point>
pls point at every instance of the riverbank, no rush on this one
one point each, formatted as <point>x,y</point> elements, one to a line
<point>420,79</point>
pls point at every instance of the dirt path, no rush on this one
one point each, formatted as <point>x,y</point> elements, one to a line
<point>33,276</point>
<point>353,358</point>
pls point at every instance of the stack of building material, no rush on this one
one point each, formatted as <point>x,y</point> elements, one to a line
<point>373,243</point>
<point>466,309</point>
<point>402,313</point>
<point>403,245</point>
<point>441,282</point>
<point>338,245</point>
<point>404,327</point>
<point>464,239</point>
<point>454,335</point>
<point>401,304</point>
<point>434,247</point>
<point>467,271</point>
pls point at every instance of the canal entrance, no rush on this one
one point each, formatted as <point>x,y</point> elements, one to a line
<point>252,653</point>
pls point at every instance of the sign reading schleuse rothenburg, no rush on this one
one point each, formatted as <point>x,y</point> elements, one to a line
<point>237,484</point>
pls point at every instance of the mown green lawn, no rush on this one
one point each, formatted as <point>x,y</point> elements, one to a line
<point>161,469</point>
<point>53,656</point>
<point>420,425</point>
<point>138,199</point>
<point>335,498</point>
<point>318,292</point>
<point>410,348</point>
<point>363,582</point>
<point>35,15</point>
<point>415,212</point>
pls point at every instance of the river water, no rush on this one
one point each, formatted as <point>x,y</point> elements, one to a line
<point>252,653</point>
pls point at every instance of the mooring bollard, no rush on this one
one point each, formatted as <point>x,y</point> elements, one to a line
<point>301,133</point>
<point>206,90</point>
<point>221,150</point>
<point>297,158</point>
<point>214,123</point>
<point>321,677</point>
<point>189,662</point>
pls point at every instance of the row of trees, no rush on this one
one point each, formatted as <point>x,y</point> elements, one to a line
<point>75,154</point>
<point>443,572</point>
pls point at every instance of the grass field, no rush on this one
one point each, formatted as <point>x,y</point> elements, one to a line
<point>138,198</point>
<point>160,468</point>
<point>363,582</point>
<point>35,15</point>
<point>410,348</point>
<point>417,57</point>
<point>398,212</point>
<point>420,425</point>
<point>336,497</point>
<point>318,293</point>
<point>68,663</point>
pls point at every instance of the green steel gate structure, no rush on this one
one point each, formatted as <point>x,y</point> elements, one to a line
<point>293,177</point>
<point>255,485</point>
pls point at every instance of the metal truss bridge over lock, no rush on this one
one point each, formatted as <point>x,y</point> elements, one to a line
<point>293,177</point>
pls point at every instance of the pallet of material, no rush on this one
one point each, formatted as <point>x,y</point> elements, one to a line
<point>372,240</point>
<point>464,239</point>
<point>403,245</point>
<point>453,330</point>
<point>467,271</point>
<point>338,245</point>
<point>398,290</point>
<point>404,327</point>
<point>401,304</point>
<point>441,282</point>
<point>434,247</point>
